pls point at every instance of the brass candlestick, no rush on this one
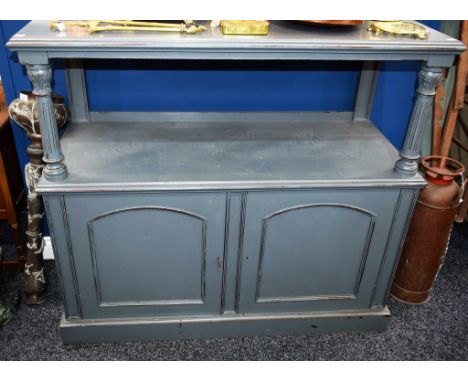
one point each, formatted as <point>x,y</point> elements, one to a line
<point>24,113</point>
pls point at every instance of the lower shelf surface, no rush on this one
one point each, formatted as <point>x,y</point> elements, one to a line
<point>227,151</point>
<point>140,329</point>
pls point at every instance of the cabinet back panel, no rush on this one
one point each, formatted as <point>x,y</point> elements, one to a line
<point>221,85</point>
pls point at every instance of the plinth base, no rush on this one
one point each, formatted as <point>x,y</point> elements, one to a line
<point>115,330</point>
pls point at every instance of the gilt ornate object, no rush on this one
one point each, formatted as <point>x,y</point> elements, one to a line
<point>244,27</point>
<point>25,113</point>
<point>403,28</point>
<point>93,26</point>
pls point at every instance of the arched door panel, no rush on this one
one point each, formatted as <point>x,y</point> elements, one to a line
<point>313,250</point>
<point>148,254</point>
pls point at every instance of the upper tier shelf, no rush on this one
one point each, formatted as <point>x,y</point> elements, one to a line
<point>203,151</point>
<point>286,40</point>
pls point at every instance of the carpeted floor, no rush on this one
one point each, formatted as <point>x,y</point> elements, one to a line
<point>437,330</point>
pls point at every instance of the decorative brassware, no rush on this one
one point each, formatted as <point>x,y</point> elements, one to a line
<point>24,113</point>
<point>244,27</point>
<point>93,26</point>
<point>399,28</point>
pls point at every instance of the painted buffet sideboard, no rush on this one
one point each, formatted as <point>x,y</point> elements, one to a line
<point>194,224</point>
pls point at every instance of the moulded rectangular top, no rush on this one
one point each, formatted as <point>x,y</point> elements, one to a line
<point>286,40</point>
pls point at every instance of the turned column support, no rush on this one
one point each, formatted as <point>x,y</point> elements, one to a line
<point>40,76</point>
<point>410,153</point>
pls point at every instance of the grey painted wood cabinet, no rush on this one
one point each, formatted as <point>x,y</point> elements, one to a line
<point>179,225</point>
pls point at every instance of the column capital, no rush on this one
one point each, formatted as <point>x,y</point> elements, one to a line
<point>428,78</point>
<point>40,76</point>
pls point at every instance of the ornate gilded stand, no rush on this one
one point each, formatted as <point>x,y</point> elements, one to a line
<point>25,112</point>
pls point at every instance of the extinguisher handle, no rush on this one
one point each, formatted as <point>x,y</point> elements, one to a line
<point>464,183</point>
<point>444,168</point>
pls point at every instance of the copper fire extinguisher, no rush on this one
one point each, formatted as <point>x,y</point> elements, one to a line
<point>426,243</point>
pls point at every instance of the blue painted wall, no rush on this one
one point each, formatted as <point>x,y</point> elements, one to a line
<point>226,86</point>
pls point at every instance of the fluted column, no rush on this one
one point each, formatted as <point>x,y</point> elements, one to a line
<point>410,153</point>
<point>41,76</point>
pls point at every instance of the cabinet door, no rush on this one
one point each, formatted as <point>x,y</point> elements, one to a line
<point>147,254</point>
<point>313,250</point>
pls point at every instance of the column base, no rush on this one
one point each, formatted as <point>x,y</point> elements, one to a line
<point>406,167</point>
<point>55,173</point>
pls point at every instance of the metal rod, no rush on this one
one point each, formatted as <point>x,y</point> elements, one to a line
<point>134,28</point>
<point>437,124</point>
<point>144,23</point>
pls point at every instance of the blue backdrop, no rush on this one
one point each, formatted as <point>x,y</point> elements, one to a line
<point>225,86</point>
